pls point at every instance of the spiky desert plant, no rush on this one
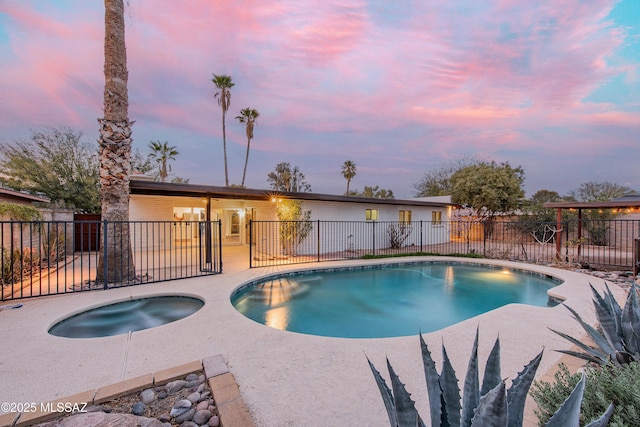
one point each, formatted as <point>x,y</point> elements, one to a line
<point>489,405</point>
<point>619,341</point>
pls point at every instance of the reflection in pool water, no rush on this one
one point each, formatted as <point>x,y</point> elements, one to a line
<point>387,301</point>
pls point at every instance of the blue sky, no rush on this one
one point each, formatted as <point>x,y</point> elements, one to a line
<point>400,88</point>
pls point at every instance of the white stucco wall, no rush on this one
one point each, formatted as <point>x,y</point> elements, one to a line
<point>343,224</point>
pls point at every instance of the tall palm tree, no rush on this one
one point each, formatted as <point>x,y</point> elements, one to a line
<point>247,116</point>
<point>162,153</point>
<point>348,171</point>
<point>223,85</point>
<point>115,152</point>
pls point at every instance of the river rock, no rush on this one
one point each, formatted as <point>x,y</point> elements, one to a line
<point>187,416</point>
<point>202,405</point>
<point>180,407</point>
<point>138,408</point>
<point>194,397</point>
<point>175,386</point>
<point>191,377</point>
<point>202,417</point>
<point>214,421</point>
<point>147,396</point>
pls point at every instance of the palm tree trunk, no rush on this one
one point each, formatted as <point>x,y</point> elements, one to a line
<point>224,147</point>
<point>115,263</point>
<point>246,161</point>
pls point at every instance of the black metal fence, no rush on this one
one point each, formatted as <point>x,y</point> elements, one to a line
<point>45,258</point>
<point>598,243</point>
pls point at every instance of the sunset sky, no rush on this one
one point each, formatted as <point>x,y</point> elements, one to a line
<point>399,87</point>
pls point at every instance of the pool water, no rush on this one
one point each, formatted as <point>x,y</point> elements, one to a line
<point>387,301</point>
<point>126,316</point>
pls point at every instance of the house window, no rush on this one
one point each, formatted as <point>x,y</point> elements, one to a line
<point>235,224</point>
<point>436,218</point>
<point>404,217</point>
<point>371,214</point>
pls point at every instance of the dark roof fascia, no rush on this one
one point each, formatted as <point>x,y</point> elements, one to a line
<point>154,188</point>
<point>24,196</point>
<point>593,205</point>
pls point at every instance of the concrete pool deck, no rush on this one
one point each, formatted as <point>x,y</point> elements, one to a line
<point>285,378</point>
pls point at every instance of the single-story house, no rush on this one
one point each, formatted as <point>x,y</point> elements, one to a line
<point>236,207</point>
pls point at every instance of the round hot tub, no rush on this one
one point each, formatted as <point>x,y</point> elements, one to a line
<point>127,316</point>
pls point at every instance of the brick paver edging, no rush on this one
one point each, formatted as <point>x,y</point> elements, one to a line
<point>226,394</point>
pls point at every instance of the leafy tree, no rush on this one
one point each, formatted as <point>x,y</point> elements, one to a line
<point>373,193</point>
<point>348,171</point>
<point>140,164</point>
<point>56,163</point>
<point>437,182</point>
<point>535,206</point>
<point>596,220</point>
<point>223,84</point>
<point>488,187</point>
<point>162,153</point>
<point>295,224</point>
<point>115,150</point>
<point>286,178</point>
<point>247,117</point>
<point>179,180</point>
<point>598,191</point>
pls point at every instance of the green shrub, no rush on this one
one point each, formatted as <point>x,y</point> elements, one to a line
<point>619,384</point>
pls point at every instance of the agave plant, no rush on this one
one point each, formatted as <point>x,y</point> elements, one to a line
<point>619,341</point>
<point>489,405</point>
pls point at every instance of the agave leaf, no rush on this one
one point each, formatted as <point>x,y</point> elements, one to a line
<point>605,301</point>
<point>615,308</point>
<point>433,386</point>
<point>471,389</point>
<point>610,327</point>
<point>406,412</point>
<point>631,322</point>
<point>492,376</point>
<point>493,409</point>
<point>603,421</point>
<point>387,397</point>
<point>517,394</point>
<point>603,342</point>
<point>584,356</point>
<point>450,392</point>
<point>594,354</point>
<point>568,415</point>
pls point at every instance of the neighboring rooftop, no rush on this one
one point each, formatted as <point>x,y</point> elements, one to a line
<point>13,196</point>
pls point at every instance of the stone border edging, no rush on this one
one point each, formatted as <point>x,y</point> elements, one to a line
<point>232,410</point>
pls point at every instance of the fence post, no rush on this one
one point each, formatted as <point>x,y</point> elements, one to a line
<point>636,257</point>
<point>318,240</point>
<point>373,226</point>
<point>220,243</point>
<point>250,243</point>
<point>421,230</point>
<point>105,253</point>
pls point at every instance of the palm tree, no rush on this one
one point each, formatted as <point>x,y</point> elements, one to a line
<point>348,171</point>
<point>247,116</point>
<point>162,153</point>
<point>223,85</point>
<point>115,151</point>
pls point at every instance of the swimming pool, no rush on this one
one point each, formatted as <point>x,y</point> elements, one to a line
<point>387,300</point>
